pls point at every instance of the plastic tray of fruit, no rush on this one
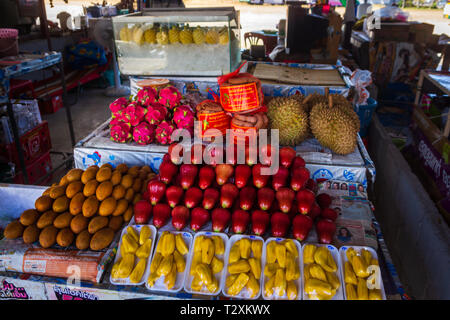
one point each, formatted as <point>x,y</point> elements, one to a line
<point>139,250</point>
<point>277,270</point>
<point>350,276</point>
<point>244,255</point>
<point>197,255</point>
<point>175,249</point>
<point>320,269</point>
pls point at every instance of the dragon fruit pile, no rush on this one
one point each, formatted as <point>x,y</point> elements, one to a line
<point>151,116</point>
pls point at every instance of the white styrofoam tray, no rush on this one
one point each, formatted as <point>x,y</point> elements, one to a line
<point>335,253</point>
<point>159,285</point>
<point>298,281</point>
<point>244,294</point>
<point>218,276</point>
<point>343,257</point>
<point>126,281</point>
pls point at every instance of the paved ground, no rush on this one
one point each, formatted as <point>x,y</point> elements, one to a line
<point>257,17</point>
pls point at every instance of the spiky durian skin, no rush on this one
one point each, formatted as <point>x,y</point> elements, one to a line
<point>316,98</point>
<point>288,116</point>
<point>334,127</point>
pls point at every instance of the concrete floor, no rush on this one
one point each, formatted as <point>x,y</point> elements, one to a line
<point>88,113</point>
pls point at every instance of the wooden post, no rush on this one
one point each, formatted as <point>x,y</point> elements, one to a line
<point>44,24</point>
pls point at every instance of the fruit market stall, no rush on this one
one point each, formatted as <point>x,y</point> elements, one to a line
<point>285,220</point>
<point>229,243</point>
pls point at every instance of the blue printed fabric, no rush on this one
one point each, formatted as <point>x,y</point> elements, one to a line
<point>86,54</point>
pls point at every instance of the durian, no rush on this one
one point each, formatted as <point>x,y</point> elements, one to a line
<point>174,35</point>
<point>162,36</point>
<point>335,126</point>
<point>186,35</point>
<point>314,99</point>
<point>150,36</point>
<point>198,35</point>
<point>288,116</point>
<point>212,36</point>
<point>223,36</point>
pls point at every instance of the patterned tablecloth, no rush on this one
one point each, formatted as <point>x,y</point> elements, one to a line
<point>22,64</point>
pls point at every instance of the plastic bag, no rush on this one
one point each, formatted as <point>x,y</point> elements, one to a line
<point>361,79</point>
<point>240,92</point>
<point>391,13</point>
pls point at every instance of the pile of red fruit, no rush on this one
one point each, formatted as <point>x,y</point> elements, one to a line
<point>239,194</point>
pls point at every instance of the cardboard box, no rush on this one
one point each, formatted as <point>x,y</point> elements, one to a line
<point>391,31</point>
<point>421,32</point>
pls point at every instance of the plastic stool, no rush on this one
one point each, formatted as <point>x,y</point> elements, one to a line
<point>18,86</point>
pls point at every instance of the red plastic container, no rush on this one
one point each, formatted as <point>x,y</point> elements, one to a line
<point>34,143</point>
<point>36,170</point>
<point>51,104</point>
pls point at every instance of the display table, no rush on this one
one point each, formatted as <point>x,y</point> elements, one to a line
<point>26,286</point>
<point>97,148</point>
<point>11,67</point>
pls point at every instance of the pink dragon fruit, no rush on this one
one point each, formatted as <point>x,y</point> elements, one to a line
<point>164,132</point>
<point>120,132</point>
<point>134,113</point>
<point>117,106</point>
<point>169,96</point>
<point>156,113</point>
<point>183,117</point>
<point>146,96</point>
<point>144,133</point>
